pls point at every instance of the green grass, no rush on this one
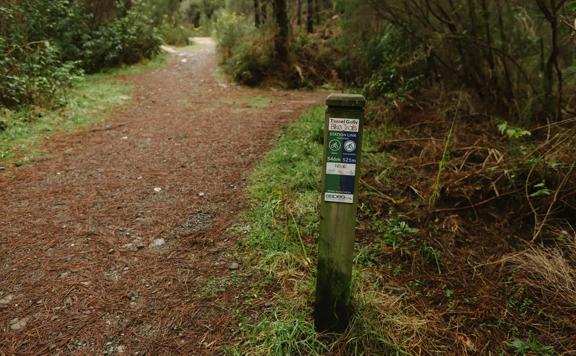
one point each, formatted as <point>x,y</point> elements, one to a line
<point>279,238</point>
<point>88,101</point>
<point>254,102</point>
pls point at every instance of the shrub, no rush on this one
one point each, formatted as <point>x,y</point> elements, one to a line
<point>33,74</point>
<point>245,53</point>
<point>122,40</point>
<point>45,44</point>
<point>174,32</point>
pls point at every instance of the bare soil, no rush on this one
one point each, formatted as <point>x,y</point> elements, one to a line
<point>108,243</point>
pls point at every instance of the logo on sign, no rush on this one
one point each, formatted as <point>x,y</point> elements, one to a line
<point>334,145</point>
<point>349,146</point>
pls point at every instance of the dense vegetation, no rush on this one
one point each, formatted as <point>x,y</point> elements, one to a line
<point>44,45</point>
<point>514,59</point>
<point>467,221</point>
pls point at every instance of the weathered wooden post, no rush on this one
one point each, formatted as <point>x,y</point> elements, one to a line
<point>342,145</point>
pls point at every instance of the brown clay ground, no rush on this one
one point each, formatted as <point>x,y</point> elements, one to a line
<point>79,272</point>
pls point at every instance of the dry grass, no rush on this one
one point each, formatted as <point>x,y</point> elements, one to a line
<point>552,271</point>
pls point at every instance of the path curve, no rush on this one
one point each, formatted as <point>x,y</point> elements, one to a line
<point>109,244</point>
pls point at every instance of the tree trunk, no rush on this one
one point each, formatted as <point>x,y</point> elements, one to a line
<point>257,22</point>
<point>310,16</point>
<point>552,72</point>
<point>263,11</point>
<point>299,12</point>
<point>282,30</point>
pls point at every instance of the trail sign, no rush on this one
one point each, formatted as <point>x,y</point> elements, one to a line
<point>343,142</point>
<point>341,159</point>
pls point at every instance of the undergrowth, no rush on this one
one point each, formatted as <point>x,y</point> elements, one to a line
<point>487,267</point>
<point>89,100</point>
<point>280,233</point>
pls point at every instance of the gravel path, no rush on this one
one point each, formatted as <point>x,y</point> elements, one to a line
<point>110,244</point>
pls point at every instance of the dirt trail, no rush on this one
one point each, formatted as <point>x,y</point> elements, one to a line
<point>109,244</point>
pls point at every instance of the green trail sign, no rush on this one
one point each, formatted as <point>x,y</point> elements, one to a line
<point>341,160</point>
<point>340,175</point>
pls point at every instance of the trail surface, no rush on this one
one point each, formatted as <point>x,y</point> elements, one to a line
<point>110,243</point>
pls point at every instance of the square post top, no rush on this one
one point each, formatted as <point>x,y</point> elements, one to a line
<point>346,101</point>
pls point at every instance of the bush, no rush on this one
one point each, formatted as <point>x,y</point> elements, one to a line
<point>174,32</point>
<point>245,53</point>
<point>123,40</point>
<point>45,44</point>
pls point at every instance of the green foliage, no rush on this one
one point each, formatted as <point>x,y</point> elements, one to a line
<point>123,40</point>
<point>540,190</point>
<point>245,52</point>
<point>87,101</point>
<point>530,347</point>
<point>46,44</point>
<point>32,74</point>
<point>512,132</point>
<point>512,56</point>
<point>393,229</point>
<point>174,31</point>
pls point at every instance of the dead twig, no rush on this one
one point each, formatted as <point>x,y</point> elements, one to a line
<point>538,230</point>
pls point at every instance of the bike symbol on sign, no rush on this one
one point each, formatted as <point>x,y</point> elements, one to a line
<point>335,145</point>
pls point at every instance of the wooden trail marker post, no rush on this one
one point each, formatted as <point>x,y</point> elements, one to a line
<point>340,175</point>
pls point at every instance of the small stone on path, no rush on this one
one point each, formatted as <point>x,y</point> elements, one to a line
<point>158,243</point>
<point>17,324</point>
<point>233,266</point>
<point>157,189</point>
<point>7,299</point>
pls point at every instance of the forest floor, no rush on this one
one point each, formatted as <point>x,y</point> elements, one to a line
<point>109,241</point>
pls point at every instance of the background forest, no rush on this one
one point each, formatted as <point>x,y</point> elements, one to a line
<point>47,44</point>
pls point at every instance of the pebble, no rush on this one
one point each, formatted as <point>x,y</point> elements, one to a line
<point>7,299</point>
<point>157,189</point>
<point>158,243</point>
<point>201,194</point>
<point>233,266</point>
<point>130,247</point>
<point>17,324</point>
<point>18,163</point>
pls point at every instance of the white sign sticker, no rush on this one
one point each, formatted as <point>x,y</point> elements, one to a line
<point>341,169</point>
<point>346,125</point>
<point>339,198</point>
